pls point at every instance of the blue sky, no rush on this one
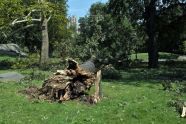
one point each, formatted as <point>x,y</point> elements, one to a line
<point>80,8</point>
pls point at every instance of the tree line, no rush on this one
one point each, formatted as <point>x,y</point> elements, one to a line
<point>111,31</point>
<point>119,28</point>
<point>37,25</point>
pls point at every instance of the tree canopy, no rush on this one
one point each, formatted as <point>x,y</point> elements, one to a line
<point>111,31</point>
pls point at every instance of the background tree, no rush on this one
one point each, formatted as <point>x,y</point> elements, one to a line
<point>109,39</point>
<point>33,19</point>
<point>171,28</point>
<point>148,13</point>
<point>10,10</point>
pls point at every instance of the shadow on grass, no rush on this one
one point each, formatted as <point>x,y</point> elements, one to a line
<point>168,56</point>
<point>26,63</point>
<point>135,76</point>
<point>5,64</point>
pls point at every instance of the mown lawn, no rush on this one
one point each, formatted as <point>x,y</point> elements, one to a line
<point>162,55</point>
<point>128,101</point>
<point>136,98</point>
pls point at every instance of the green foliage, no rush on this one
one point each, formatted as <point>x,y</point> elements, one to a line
<point>35,75</point>
<point>162,21</point>
<point>10,10</point>
<point>182,47</point>
<point>31,37</point>
<point>32,61</point>
<point>105,37</point>
<point>4,64</point>
<point>18,62</point>
<point>22,63</point>
<point>109,72</point>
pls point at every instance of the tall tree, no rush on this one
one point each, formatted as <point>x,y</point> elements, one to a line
<point>150,21</point>
<point>171,28</point>
<point>10,9</point>
<point>127,8</point>
<point>41,11</point>
<point>43,17</point>
<point>109,39</point>
<point>150,10</point>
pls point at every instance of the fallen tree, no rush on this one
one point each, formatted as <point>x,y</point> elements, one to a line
<point>70,83</point>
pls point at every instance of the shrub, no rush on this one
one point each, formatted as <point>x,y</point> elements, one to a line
<point>6,64</point>
<point>109,72</point>
<point>30,61</point>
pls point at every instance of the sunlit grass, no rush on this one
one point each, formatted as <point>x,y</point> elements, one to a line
<point>3,57</point>
<point>124,102</point>
<point>140,56</point>
<point>137,98</point>
<point>162,55</point>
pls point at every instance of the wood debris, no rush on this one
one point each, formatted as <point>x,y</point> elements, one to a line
<point>183,114</point>
<point>70,83</point>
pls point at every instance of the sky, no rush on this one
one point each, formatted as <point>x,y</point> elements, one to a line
<point>80,8</point>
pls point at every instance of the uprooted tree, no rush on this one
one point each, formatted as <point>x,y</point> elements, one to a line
<point>70,83</point>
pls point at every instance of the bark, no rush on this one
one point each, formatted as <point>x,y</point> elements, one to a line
<point>44,26</point>
<point>183,112</point>
<point>45,42</point>
<point>70,83</point>
<point>151,32</point>
<point>98,92</point>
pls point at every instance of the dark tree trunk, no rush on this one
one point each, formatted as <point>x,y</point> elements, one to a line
<point>151,32</point>
<point>45,42</point>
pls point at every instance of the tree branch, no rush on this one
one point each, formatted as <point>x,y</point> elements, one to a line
<point>22,28</point>
<point>49,18</point>
<point>26,18</point>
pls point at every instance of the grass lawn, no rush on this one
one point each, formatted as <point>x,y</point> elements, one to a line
<point>162,55</point>
<point>130,100</point>
<point>137,98</point>
<point>3,57</point>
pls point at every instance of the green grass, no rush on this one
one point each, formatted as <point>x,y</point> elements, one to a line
<point>140,56</point>
<point>130,100</point>
<point>136,98</point>
<point>3,57</point>
<point>162,55</point>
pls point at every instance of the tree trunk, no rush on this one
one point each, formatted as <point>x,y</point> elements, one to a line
<point>151,32</point>
<point>45,42</point>
<point>98,92</point>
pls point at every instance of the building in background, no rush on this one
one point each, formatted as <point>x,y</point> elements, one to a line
<point>73,23</point>
<point>73,20</point>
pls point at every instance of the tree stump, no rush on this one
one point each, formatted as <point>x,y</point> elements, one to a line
<point>71,83</point>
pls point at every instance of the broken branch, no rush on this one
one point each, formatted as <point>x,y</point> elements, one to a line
<point>49,18</point>
<point>26,18</point>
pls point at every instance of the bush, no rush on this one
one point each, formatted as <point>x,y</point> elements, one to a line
<point>29,62</point>
<point>6,64</point>
<point>109,72</point>
<point>35,75</point>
